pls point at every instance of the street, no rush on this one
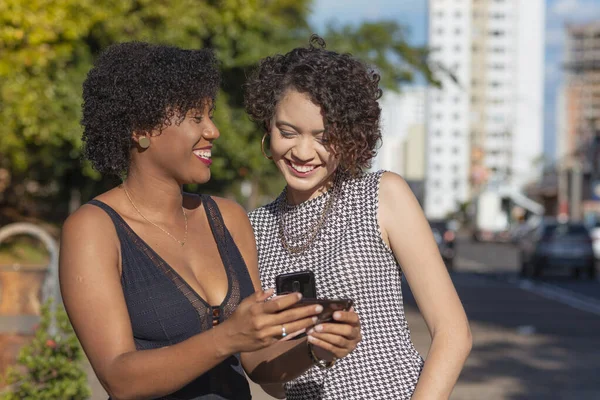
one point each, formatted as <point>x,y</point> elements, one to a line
<point>532,339</point>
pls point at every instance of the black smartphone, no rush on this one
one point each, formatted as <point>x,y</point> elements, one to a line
<point>299,281</point>
<point>329,307</point>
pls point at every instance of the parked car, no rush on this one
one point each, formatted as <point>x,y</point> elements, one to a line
<point>554,245</point>
<point>445,238</point>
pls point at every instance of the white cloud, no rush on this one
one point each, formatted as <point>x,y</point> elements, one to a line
<point>576,10</point>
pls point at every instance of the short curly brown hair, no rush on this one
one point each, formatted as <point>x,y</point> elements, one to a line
<point>346,90</point>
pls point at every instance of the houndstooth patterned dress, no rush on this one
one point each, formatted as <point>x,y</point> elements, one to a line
<point>350,260</point>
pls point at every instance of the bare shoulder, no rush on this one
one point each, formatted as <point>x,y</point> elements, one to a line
<point>87,233</point>
<point>232,212</point>
<point>394,192</point>
<point>238,224</point>
<point>236,220</point>
<point>88,221</point>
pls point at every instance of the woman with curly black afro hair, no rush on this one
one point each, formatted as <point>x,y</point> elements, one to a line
<point>162,286</point>
<point>358,232</point>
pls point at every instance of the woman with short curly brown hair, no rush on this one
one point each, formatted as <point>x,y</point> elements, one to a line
<point>358,232</point>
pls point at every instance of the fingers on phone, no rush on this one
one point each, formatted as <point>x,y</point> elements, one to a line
<point>342,330</point>
<point>292,335</point>
<point>292,328</point>
<point>282,302</point>
<point>348,317</point>
<point>335,344</point>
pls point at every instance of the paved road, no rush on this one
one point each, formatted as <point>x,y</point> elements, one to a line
<point>532,340</point>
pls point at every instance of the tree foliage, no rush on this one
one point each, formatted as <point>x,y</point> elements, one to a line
<point>47,47</point>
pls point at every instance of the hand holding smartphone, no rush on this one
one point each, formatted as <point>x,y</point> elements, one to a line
<point>304,282</point>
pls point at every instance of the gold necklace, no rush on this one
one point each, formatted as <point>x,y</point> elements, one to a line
<point>142,215</point>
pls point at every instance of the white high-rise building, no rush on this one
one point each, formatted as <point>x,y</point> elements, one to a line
<point>485,129</point>
<point>403,133</point>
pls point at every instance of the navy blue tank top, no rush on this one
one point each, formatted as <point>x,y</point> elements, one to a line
<point>165,310</point>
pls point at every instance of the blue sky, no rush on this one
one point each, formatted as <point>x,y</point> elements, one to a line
<point>413,14</point>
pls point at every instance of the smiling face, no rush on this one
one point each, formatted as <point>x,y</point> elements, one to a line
<point>183,149</point>
<point>299,148</point>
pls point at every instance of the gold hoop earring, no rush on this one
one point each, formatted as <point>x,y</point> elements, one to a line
<point>262,147</point>
<point>144,142</point>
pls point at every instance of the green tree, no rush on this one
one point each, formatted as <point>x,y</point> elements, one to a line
<point>47,47</point>
<point>50,367</point>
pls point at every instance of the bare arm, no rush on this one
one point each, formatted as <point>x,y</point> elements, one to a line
<point>93,297</point>
<point>407,231</point>
<point>288,359</point>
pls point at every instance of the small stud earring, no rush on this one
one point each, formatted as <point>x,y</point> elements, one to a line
<point>144,142</point>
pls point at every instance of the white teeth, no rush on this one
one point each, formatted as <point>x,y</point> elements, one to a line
<point>303,168</point>
<point>203,153</point>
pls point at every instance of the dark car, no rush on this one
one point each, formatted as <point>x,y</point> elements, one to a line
<point>554,246</point>
<point>445,238</point>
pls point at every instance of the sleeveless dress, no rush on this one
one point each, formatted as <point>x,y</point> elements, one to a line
<point>165,310</point>
<point>350,260</point>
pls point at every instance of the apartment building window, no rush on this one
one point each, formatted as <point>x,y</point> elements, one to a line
<point>455,168</point>
<point>439,31</point>
<point>456,116</point>
<point>457,48</point>
<point>437,150</point>
<point>455,150</point>
<point>457,134</point>
<point>497,33</point>
<point>458,31</point>
<point>438,116</point>
<point>456,184</point>
<point>438,133</point>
